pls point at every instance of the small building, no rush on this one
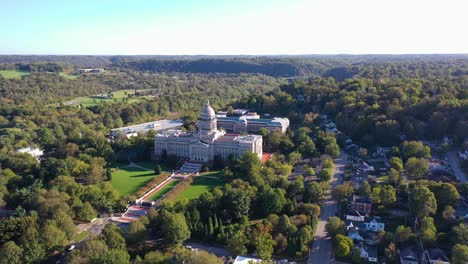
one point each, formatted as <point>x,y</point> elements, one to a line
<point>360,204</point>
<point>33,151</point>
<point>408,255</point>
<point>436,256</point>
<point>374,224</point>
<point>368,253</point>
<point>246,260</point>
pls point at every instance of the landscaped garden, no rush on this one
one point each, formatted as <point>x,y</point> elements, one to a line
<point>163,190</point>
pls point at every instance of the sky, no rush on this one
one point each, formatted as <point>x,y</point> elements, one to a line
<point>225,27</point>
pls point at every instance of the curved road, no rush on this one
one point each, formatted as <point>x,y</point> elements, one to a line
<point>454,162</point>
<point>321,250</point>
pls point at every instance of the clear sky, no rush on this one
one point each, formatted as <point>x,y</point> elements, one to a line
<point>233,27</point>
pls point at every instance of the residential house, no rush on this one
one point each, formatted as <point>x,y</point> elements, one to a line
<point>364,167</point>
<point>360,204</point>
<point>436,256</point>
<point>374,224</point>
<point>33,151</point>
<point>408,255</point>
<point>355,216</point>
<point>358,179</point>
<point>368,253</point>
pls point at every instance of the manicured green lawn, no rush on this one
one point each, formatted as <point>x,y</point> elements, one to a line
<point>118,96</point>
<point>383,178</point>
<point>81,236</point>
<point>13,74</point>
<point>128,180</point>
<point>163,190</point>
<point>200,185</point>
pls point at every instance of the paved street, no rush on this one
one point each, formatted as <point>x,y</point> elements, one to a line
<point>321,250</point>
<point>455,165</point>
<point>218,251</point>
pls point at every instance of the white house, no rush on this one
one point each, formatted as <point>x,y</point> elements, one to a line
<point>374,224</point>
<point>33,151</point>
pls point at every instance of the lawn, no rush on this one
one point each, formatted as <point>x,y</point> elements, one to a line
<point>128,180</point>
<point>163,190</point>
<point>382,179</point>
<point>81,236</point>
<point>118,96</point>
<point>200,185</point>
<point>13,74</point>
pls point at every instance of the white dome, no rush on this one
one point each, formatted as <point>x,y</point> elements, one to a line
<point>207,112</point>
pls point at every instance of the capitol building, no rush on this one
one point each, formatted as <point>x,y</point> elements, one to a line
<point>207,142</point>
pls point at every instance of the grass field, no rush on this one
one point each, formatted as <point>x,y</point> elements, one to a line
<point>128,180</point>
<point>200,185</point>
<point>13,74</point>
<point>118,96</point>
<point>81,236</point>
<point>163,190</point>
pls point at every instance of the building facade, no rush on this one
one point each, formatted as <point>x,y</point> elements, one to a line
<point>207,142</point>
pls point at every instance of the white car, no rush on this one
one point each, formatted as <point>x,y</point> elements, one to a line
<point>71,247</point>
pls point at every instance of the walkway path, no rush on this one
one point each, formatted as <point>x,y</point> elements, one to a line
<point>133,164</point>
<point>454,162</point>
<point>321,250</point>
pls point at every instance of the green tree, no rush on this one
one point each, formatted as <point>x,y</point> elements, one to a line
<point>112,236</point>
<point>343,246</point>
<point>86,212</point>
<point>391,252</point>
<point>113,256</point>
<point>335,226</point>
<point>422,201</point>
<point>285,227</point>
<point>157,169</point>
<point>10,253</point>
<point>428,231</point>
<point>342,191</point>
<point>387,195</point>
<point>402,234</point>
<point>460,234</point>
<point>313,192</point>
<point>52,236</point>
<point>365,189</point>
<point>396,164</point>
<point>263,242</point>
<point>174,228</point>
<point>236,243</point>
<point>460,254</point>
<point>415,149</point>
<point>417,167</point>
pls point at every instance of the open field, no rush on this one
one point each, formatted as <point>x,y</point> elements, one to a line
<point>118,96</point>
<point>163,190</point>
<point>200,185</point>
<point>13,74</point>
<point>128,180</point>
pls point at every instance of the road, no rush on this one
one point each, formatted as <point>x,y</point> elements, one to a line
<point>218,251</point>
<point>454,162</point>
<point>321,250</point>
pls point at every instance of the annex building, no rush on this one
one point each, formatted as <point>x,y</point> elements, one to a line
<point>207,142</point>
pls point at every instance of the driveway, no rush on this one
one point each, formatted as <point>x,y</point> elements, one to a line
<point>218,251</point>
<point>321,250</point>
<point>454,162</point>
